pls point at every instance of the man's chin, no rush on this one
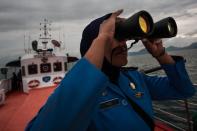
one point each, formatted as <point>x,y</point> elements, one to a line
<point>122,63</point>
<point>125,63</point>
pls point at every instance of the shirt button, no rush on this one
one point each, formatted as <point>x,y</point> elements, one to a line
<point>104,93</point>
<point>124,102</point>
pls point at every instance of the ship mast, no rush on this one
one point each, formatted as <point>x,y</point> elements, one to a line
<point>45,36</point>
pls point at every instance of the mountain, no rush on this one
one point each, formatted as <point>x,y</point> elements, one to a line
<point>170,48</point>
<point>192,46</point>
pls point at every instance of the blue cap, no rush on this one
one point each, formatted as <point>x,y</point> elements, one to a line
<point>90,33</point>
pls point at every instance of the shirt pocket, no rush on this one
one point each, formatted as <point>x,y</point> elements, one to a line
<point>109,104</point>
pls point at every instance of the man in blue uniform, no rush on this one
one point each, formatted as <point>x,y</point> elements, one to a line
<point>97,95</point>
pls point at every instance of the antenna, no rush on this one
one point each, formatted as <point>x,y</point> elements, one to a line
<point>29,41</point>
<point>59,35</point>
<point>45,36</point>
<point>63,39</point>
<point>24,43</point>
<point>64,42</point>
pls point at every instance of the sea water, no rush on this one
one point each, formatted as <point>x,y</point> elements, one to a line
<point>146,61</point>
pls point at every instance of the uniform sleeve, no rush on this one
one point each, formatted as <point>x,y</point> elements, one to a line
<point>73,103</point>
<point>177,84</point>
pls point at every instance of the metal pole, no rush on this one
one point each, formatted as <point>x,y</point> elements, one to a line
<point>188,115</point>
<point>152,70</point>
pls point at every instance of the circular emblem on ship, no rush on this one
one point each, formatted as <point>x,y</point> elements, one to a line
<point>46,78</point>
<point>57,80</point>
<point>33,83</point>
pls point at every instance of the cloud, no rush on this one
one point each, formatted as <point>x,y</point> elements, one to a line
<point>22,17</point>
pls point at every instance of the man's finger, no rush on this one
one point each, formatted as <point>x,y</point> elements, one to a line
<point>158,41</point>
<point>117,13</point>
<point>146,41</point>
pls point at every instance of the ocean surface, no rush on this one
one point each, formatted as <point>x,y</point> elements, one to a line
<point>144,62</point>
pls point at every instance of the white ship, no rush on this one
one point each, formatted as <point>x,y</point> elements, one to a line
<point>36,75</point>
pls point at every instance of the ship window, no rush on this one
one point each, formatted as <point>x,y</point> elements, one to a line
<point>32,69</point>
<point>57,66</point>
<point>45,68</point>
<point>23,71</point>
<point>65,66</point>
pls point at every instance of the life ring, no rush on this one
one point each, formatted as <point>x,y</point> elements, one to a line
<point>33,83</point>
<point>57,80</point>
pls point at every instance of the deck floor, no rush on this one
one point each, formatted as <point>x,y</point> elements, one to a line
<point>19,108</point>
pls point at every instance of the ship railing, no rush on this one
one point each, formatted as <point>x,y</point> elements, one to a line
<point>181,103</point>
<point>170,124</point>
<point>169,114</point>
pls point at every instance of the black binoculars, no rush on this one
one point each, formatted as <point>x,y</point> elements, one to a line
<point>141,25</point>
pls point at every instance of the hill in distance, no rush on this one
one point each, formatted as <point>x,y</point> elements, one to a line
<point>170,48</point>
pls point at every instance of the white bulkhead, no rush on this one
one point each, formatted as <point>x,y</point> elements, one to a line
<point>40,72</point>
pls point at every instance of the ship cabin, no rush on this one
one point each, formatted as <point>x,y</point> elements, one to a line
<point>43,69</point>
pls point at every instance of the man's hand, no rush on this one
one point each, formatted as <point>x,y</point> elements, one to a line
<point>102,43</point>
<point>107,29</point>
<point>156,49</point>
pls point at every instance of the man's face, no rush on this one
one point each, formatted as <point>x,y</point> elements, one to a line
<point>118,54</point>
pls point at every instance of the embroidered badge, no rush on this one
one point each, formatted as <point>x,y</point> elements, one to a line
<point>104,93</point>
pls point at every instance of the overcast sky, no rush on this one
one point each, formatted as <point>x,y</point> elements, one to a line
<point>69,17</point>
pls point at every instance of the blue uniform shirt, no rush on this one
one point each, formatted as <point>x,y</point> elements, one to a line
<point>87,100</point>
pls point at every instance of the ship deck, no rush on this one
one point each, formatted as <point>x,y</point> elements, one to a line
<point>20,108</point>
